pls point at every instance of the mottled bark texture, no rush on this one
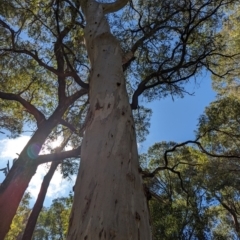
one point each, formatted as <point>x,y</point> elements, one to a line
<point>109,201</point>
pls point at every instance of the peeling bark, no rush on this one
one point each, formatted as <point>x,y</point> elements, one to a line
<point>109,201</point>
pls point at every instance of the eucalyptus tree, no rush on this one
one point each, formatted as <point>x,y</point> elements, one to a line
<point>220,123</point>
<point>53,221</point>
<point>220,126</point>
<point>226,85</point>
<point>174,177</point>
<point>59,58</point>
<point>191,195</point>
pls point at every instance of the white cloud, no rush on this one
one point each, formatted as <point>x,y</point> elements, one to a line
<point>58,186</point>
<point>10,147</point>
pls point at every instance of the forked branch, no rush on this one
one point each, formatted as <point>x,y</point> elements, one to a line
<point>38,115</point>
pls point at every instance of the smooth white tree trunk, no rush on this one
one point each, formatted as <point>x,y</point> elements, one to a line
<point>109,201</point>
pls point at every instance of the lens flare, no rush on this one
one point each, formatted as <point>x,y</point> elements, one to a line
<point>33,150</point>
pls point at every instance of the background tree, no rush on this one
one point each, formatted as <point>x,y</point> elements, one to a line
<point>51,224</point>
<point>193,196</point>
<point>53,221</point>
<point>228,84</point>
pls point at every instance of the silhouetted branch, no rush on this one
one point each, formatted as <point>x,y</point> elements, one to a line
<point>38,115</point>
<point>58,156</point>
<point>68,125</point>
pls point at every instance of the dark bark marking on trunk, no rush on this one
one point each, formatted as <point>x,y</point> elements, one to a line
<point>87,205</point>
<point>137,216</point>
<point>112,234</point>
<point>130,177</point>
<point>97,106</point>
<point>89,200</point>
<point>100,233</point>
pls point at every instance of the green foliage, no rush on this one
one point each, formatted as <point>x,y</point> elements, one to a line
<point>220,126</point>
<point>226,72</point>
<point>53,221</point>
<point>194,203</point>
<point>173,42</point>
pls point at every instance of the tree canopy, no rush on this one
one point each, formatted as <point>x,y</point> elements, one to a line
<point>75,70</point>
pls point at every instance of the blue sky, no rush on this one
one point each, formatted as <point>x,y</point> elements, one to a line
<point>177,120</point>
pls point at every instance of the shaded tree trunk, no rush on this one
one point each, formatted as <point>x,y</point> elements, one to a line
<point>109,201</point>
<point>32,220</point>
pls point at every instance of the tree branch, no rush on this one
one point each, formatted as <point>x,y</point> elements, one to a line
<point>77,79</point>
<point>231,211</point>
<point>68,125</point>
<point>34,56</point>
<point>58,156</point>
<point>38,115</point>
<point>77,95</point>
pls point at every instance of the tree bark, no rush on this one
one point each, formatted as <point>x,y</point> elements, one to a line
<point>32,220</point>
<point>109,201</point>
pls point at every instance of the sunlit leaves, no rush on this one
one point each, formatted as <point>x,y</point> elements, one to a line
<point>220,125</point>
<point>229,84</point>
<point>53,221</point>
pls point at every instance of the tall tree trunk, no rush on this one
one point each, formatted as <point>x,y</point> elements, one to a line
<point>109,201</point>
<point>32,220</point>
